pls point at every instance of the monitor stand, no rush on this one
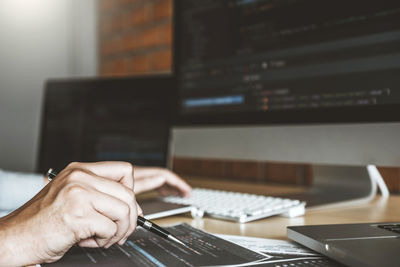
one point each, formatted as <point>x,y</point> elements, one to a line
<point>342,185</point>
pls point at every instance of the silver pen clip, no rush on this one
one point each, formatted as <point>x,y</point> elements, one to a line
<point>51,174</point>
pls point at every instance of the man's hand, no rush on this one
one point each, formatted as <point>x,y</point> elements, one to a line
<point>165,181</point>
<point>92,204</point>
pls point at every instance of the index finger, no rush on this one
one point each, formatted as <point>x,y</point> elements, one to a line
<point>170,178</point>
<point>176,182</point>
<point>119,171</point>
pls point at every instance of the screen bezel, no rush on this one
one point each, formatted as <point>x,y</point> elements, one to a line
<point>359,114</point>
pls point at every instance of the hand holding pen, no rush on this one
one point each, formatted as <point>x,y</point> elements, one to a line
<point>89,204</point>
<point>141,221</point>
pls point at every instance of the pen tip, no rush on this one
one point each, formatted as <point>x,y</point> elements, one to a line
<point>176,240</point>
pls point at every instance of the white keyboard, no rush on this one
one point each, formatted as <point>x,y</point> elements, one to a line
<point>238,207</point>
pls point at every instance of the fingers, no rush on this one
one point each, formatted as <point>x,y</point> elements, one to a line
<point>92,204</point>
<point>115,170</point>
<point>176,182</point>
<point>108,198</point>
<point>117,211</point>
<point>167,191</point>
<point>153,178</point>
<point>149,183</point>
<point>112,190</point>
<point>103,230</point>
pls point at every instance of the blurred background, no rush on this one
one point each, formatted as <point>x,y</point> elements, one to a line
<point>42,39</point>
<point>39,39</point>
<point>79,39</point>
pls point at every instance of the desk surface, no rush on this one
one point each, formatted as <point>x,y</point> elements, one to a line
<point>378,210</point>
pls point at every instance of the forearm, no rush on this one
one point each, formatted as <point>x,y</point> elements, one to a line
<point>16,242</point>
<point>23,234</point>
<point>12,244</point>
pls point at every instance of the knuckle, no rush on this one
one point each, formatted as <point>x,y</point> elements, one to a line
<point>74,191</point>
<point>159,169</point>
<point>131,195</point>
<point>73,165</point>
<point>128,167</point>
<point>165,170</point>
<point>75,175</point>
<point>72,197</point>
<point>166,173</point>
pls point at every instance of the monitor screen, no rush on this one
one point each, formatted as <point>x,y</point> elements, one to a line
<point>125,119</point>
<point>287,61</point>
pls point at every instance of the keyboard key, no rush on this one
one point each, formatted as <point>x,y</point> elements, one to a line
<point>238,206</point>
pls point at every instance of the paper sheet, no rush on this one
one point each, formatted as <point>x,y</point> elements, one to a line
<point>279,253</point>
<point>266,246</point>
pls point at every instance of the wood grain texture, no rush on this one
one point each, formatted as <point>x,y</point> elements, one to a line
<point>256,171</point>
<point>264,172</point>
<point>391,176</point>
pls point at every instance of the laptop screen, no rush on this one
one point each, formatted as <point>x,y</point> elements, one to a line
<point>125,119</point>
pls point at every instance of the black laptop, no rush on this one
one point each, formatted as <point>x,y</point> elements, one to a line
<point>110,119</point>
<point>368,244</point>
<point>98,119</point>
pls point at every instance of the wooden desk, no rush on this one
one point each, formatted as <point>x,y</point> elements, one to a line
<point>379,210</point>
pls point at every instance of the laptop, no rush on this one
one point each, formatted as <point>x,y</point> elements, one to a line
<point>367,244</point>
<point>101,119</point>
<point>104,119</point>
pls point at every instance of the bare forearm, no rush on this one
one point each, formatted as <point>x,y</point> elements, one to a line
<point>18,243</point>
<point>11,245</point>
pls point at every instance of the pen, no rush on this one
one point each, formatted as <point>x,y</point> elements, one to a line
<point>141,221</point>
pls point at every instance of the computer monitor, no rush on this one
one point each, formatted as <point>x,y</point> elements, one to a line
<point>292,80</point>
<point>125,119</point>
